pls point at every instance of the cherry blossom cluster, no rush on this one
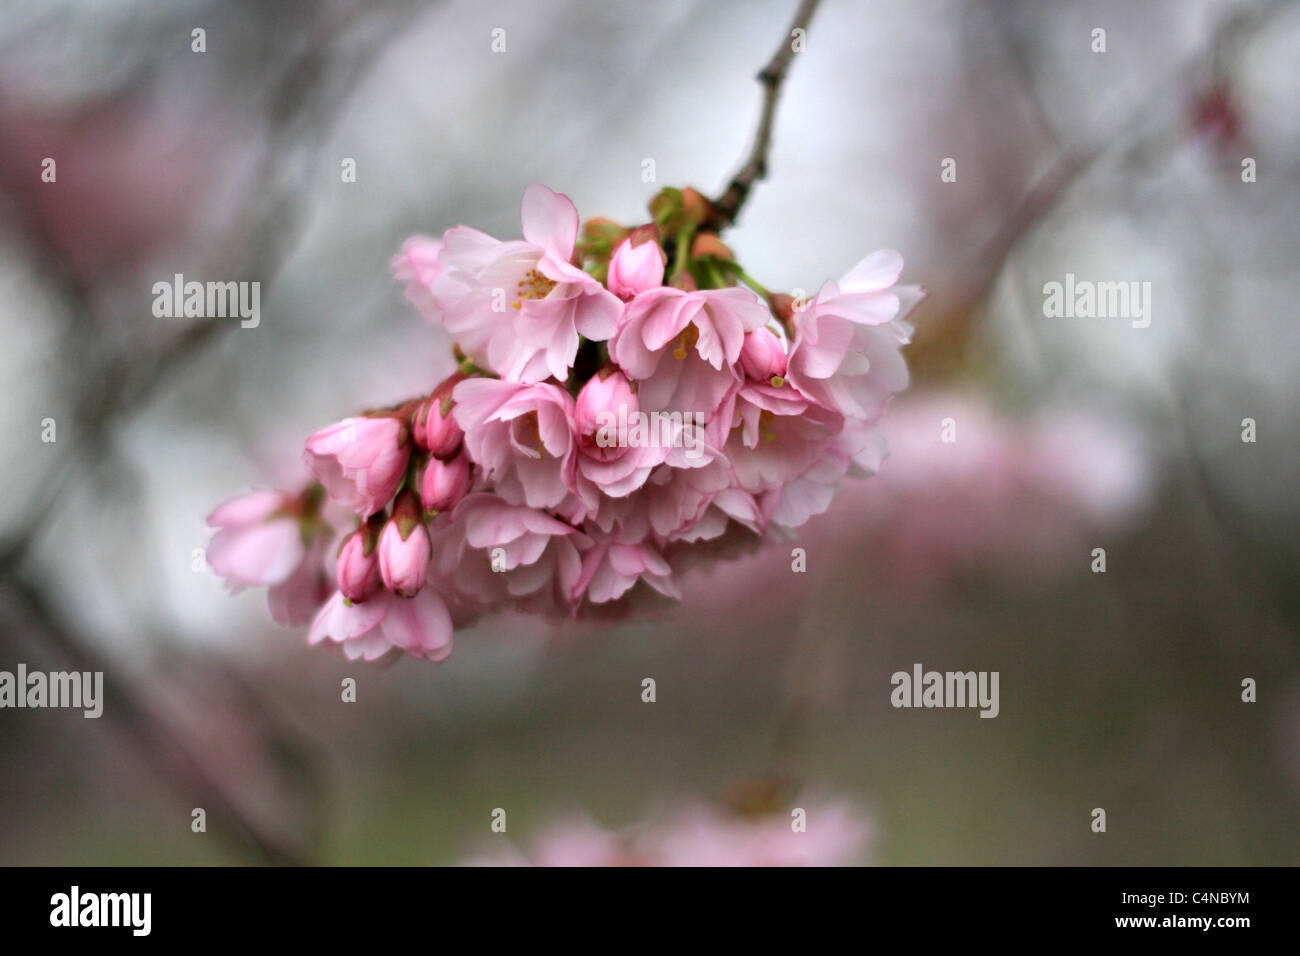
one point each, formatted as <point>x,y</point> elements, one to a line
<point>628,401</point>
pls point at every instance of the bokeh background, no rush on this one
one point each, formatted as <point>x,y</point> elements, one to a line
<point>1119,690</point>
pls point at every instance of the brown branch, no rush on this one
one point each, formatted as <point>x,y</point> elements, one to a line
<point>727,206</point>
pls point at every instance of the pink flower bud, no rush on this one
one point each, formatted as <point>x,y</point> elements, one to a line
<point>762,356</point>
<point>404,548</point>
<point>604,392</point>
<point>634,269</point>
<point>358,564</point>
<point>434,427</point>
<point>444,483</point>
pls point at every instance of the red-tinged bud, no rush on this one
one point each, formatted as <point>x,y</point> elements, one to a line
<point>666,208</point>
<point>434,427</point>
<point>707,244</point>
<point>444,483</point>
<point>673,209</point>
<point>763,357</point>
<point>603,394</point>
<point>783,306</point>
<point>647,233</point>
<point>404,548</point>
<point>358,564</point>
<point>695,208</point>
<point>602,230</point>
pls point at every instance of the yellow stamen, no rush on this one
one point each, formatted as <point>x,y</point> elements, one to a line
<point>686,341</point>
<point>533,285</point>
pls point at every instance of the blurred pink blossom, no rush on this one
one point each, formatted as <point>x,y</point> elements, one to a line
<point>812,832</point>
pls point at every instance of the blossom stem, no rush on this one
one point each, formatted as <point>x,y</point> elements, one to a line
<point>727,206</point>
<point>753,283</point>
<point>735,269</point>
<point>682,249</point>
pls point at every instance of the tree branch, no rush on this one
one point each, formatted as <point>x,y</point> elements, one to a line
<point>727,206</point>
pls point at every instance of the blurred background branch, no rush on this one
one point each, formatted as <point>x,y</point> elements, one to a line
<point>298,107</point>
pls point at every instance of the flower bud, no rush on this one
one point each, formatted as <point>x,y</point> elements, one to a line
<point>434,428</point>
<point>783,307</point>
<point>358,564</point>
<point>673,209</point>
<point>599,230</point>
<point>404,548</point>
<point>762,356</point>
<point>707,244</point>
<point>444,483</point>
<point>635,268</point>
<point>604,392</point>
<point>695,207</point>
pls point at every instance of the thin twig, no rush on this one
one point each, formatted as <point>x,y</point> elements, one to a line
<point>727,206</point>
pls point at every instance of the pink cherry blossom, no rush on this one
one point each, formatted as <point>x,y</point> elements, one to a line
<point>420,626</point>
<point>682,347</point>
<point>520,307</point>
<point>418,266</point>
<point>679,503</point>
<point>521,436</point>
<point>829,832</point>
<point>259,540</point>
<point>846,353</point>
<point>360,461</point>
<point>858,449</point>
<point>294,600</point>
<point>611,567</point>
<point>836,834</point>
<point>605,392</point>
<point>531,552</point>
<point>264,539</point>
<point>777,435</point>
<point>1034,491</point>
<point>597,434</point>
